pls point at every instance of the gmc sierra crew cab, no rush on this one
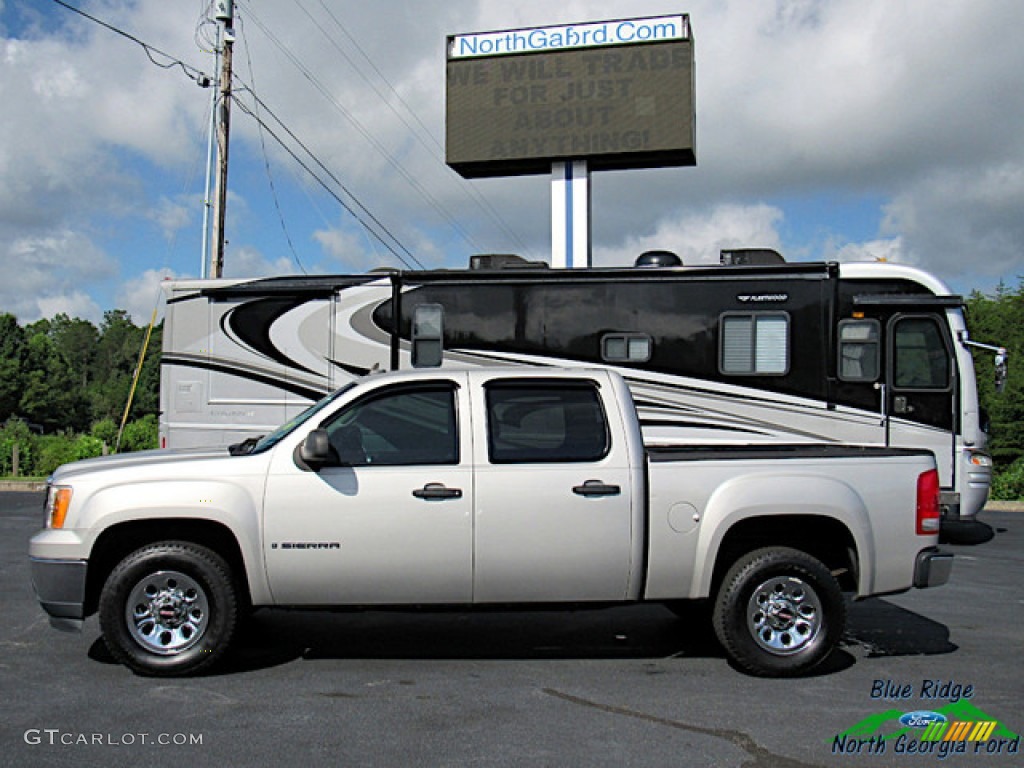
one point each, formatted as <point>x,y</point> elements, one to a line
<point>483,487</point>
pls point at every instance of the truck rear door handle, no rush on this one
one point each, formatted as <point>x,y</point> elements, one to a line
<point>596,488</point>
<point>437,491</point>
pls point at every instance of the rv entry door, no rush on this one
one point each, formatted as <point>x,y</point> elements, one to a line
<point>921,387</point>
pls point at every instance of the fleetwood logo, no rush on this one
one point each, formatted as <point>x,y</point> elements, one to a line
<point>777,298</point>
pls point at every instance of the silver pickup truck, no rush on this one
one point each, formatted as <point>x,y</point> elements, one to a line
<point>479,488</point>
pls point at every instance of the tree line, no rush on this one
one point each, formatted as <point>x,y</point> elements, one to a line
<point>998,319</point>
<point>64,384</point>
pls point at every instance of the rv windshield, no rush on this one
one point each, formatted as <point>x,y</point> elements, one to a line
<point>269,441</point>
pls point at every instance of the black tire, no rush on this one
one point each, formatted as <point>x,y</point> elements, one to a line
<point>169,609</point>
<point>779,612</point>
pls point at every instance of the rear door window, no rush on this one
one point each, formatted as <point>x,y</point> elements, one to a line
<point>545,422</point>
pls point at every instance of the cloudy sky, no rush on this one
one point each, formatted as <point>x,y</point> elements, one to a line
<point>828,129</point>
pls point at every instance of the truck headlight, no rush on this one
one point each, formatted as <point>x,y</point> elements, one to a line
<point>980,459</point>
<point>58,499</point>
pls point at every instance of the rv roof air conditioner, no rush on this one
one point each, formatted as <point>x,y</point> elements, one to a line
<point>740,257</point>
<point>658,259</point>
<point>503,261</point>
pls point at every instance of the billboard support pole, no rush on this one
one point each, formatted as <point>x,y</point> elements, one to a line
<point>570,214</point>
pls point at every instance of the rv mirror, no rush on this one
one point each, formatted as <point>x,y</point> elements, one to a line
<point>1002,360</point>
<point>1002,369</point>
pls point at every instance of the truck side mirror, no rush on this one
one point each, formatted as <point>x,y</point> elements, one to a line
<point>428,336</point>
<point>315,451</point>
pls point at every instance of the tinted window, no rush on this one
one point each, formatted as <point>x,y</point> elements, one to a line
<point>859,350</point>
<point>921,359</point>
<point>626,347</point>
<point>530,423</point>
<point>754,344</point>
<point>408,426</point>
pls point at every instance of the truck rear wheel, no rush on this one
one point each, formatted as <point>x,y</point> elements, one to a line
<point>779,612</point>
<point>169,608</point>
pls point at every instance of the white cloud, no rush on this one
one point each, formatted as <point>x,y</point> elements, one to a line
<point>74,304</point>
<point>173,215</point>
<point>698,237</point>
<point>141,295</point>
<point>966,224</point>
<point>249,262</point>
<point>51,273</point>
<point>873,250</point>
<point>353,250</point>
<point>916,108</point>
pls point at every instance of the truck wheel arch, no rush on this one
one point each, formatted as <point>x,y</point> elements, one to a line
<point>824,538</point>
<point>120,540</point>
<point>755,511</point>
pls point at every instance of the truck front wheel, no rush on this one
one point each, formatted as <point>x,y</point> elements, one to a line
<point>169,609</point>
<point>779,612</point>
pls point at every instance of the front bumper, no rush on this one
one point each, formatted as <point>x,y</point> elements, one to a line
<point>932,568</point>
<point>60,588</point>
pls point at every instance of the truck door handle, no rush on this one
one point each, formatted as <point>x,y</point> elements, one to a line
<point>596,488</point>
<point>437,491</point>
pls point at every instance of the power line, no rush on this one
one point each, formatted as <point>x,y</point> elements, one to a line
<point>408,259</point>
<point>172,61</point>
<point>266,159</point>
<point>200,77</point>
<point>364,132</point>
<point>435,150</point>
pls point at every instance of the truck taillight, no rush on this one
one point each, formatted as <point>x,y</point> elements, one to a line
<point>928,514</point>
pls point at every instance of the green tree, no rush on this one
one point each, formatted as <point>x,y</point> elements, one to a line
<point>140,435</point>
<point>105,430</point>
<point>12,365</point>
<point>16,431</point>
<point>117,351</point>
<point>999,320</point>
<point>50,395</point>
<point>147,394</point>
<point>75,341</point>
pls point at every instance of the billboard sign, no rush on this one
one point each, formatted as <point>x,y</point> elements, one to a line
<point>619,94</point>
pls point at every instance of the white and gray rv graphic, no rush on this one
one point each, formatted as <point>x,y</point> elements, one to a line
<point>865,354</point>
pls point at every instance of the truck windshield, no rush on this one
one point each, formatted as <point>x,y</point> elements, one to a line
<point>269,441</point>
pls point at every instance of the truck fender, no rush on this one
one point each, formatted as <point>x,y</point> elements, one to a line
<point>772,494</point>
<point>216,501</point>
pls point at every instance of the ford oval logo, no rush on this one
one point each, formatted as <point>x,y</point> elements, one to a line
<point>922,718</point>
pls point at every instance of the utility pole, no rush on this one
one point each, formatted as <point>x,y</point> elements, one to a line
<point>225,17</point>
<point>211,142</point>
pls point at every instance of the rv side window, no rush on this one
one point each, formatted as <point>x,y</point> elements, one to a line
<point>626,348</point>
<point>859,350</point>
<point>921,359</point>
<point>754,344</point>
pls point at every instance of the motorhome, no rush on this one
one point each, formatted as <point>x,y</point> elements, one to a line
<point>749,350</point>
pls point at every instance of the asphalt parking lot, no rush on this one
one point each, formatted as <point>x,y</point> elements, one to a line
<point>631,686</point>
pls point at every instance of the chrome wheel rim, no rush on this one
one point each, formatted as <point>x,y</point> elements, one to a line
<point>784,615</point>
<point>167,612</point>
